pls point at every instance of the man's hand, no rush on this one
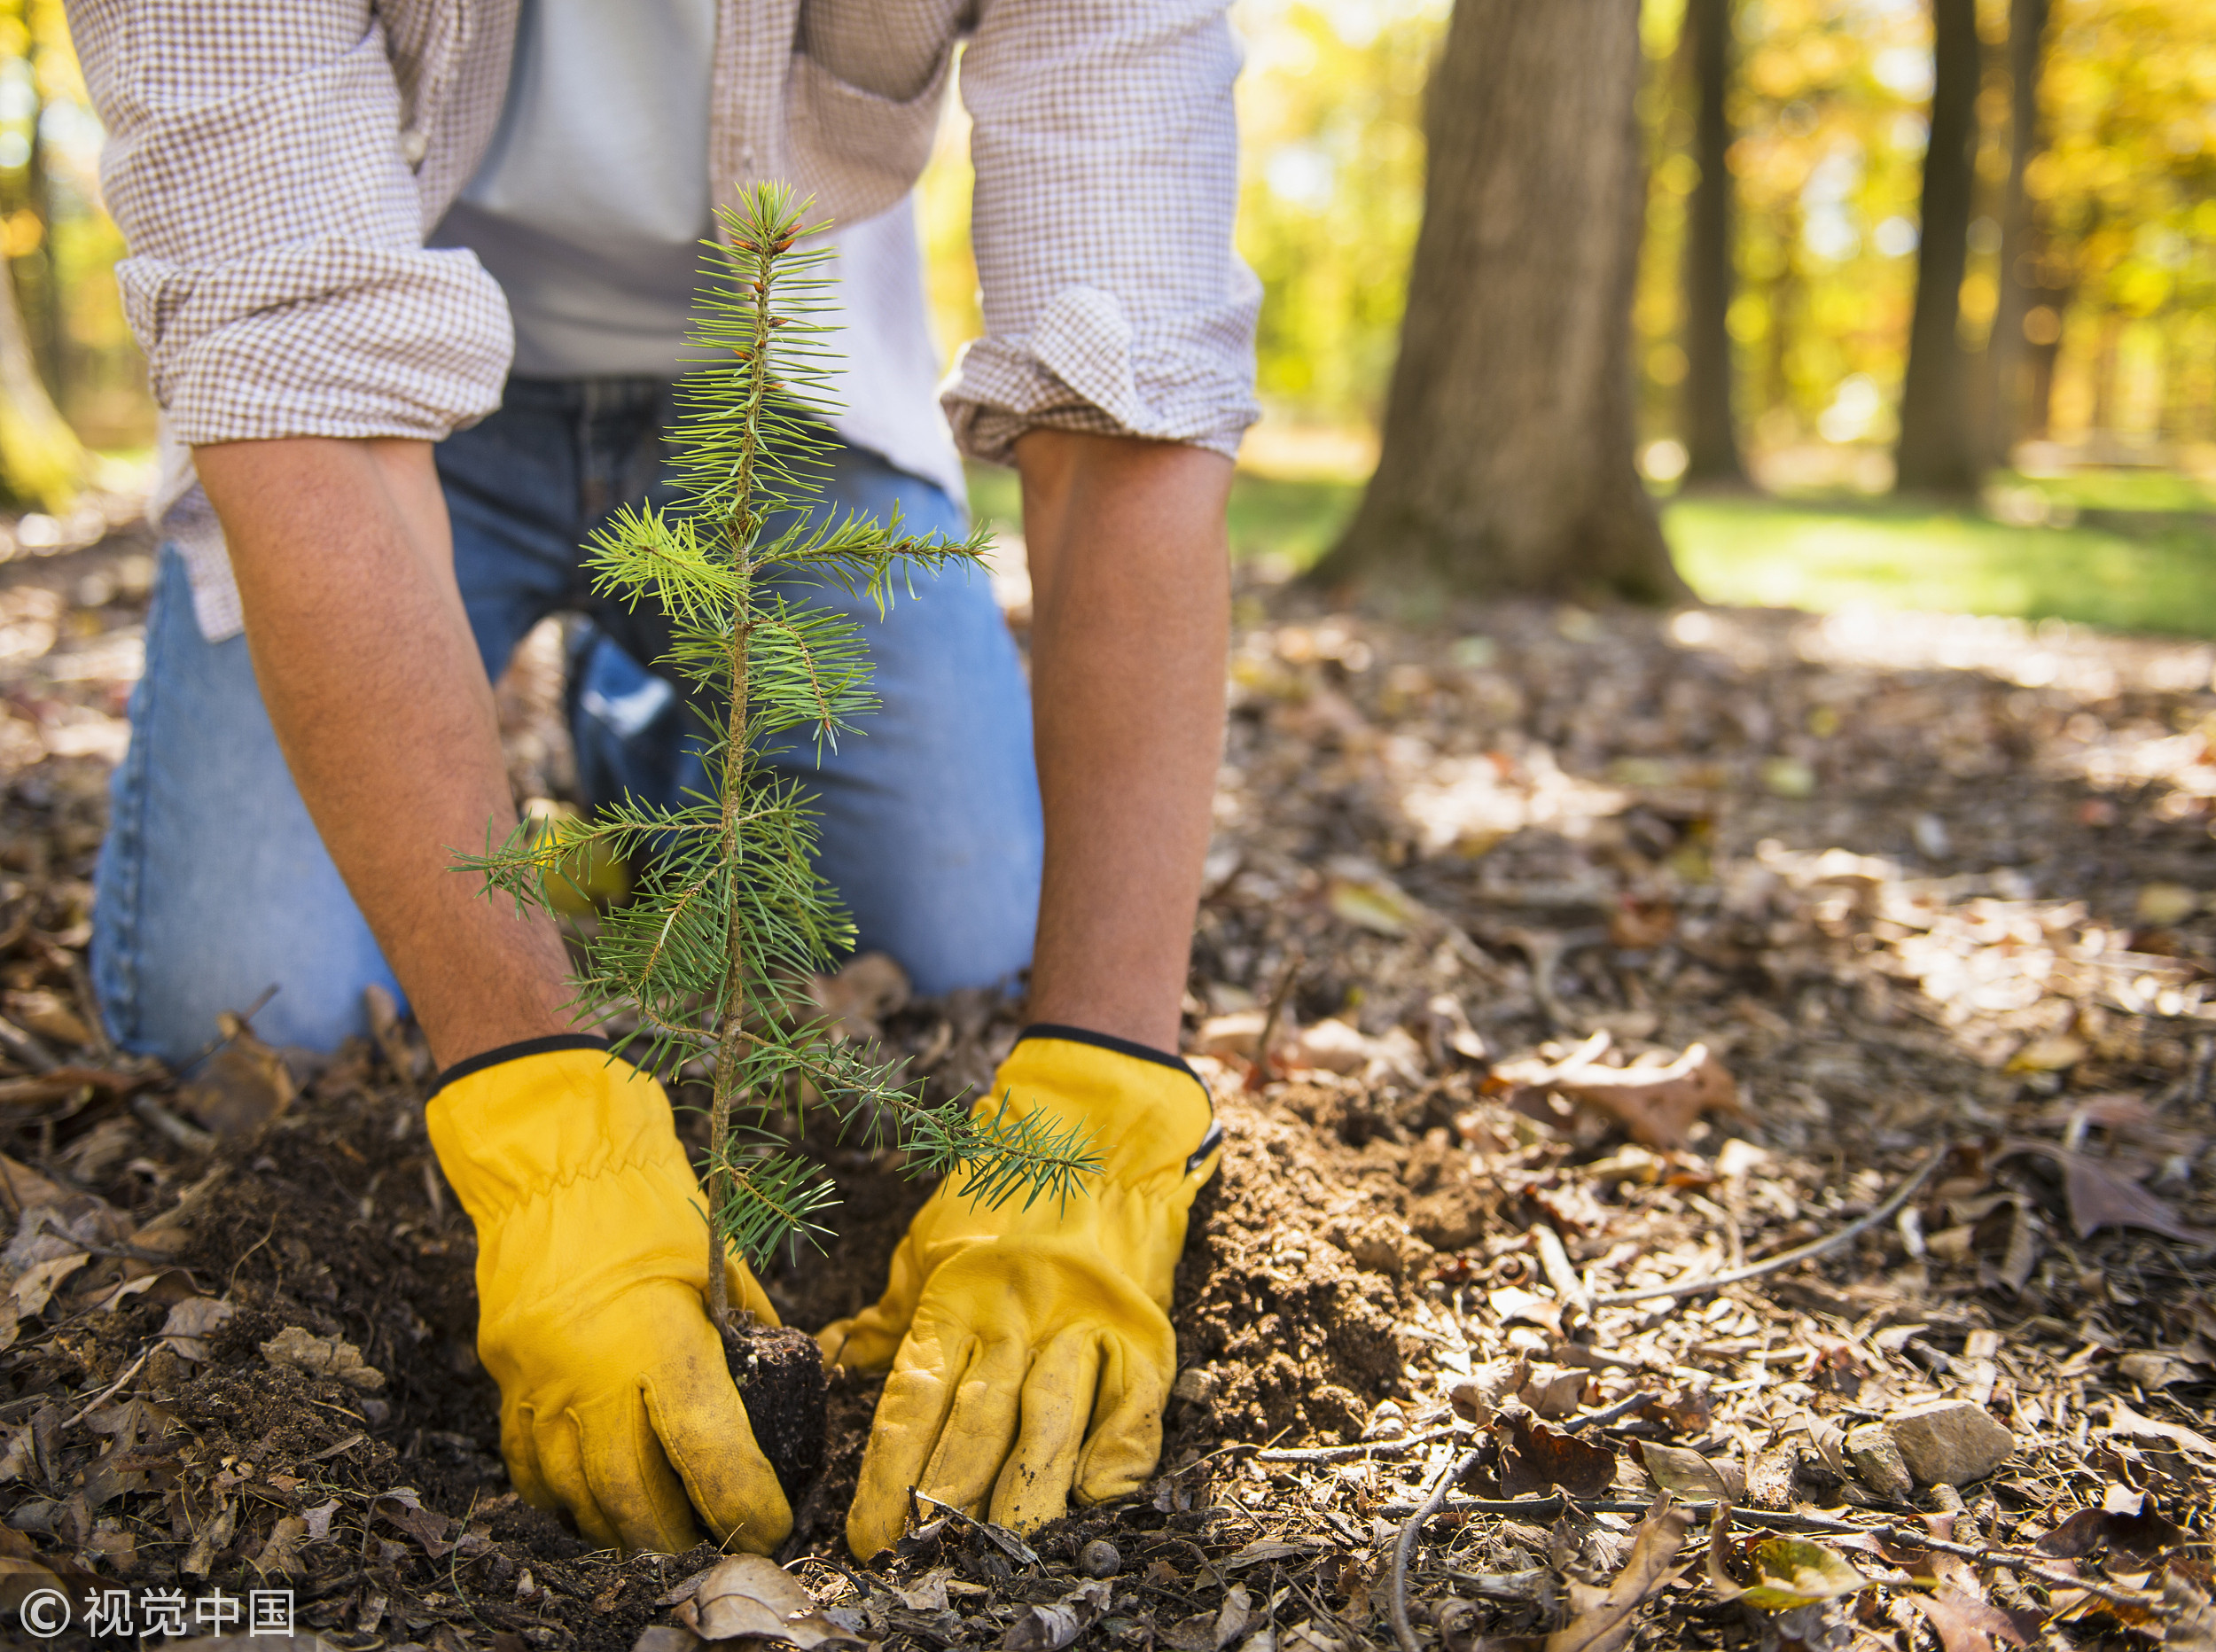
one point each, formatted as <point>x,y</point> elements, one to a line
<point>615,1399</point>
<point>1031,1349</point>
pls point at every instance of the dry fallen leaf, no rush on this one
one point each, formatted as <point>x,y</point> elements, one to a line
<point>2054,1053</point>
<point>1373,905</point>
<point>2155,1368</point>
<point>1689,1475</point>
<point>280,1551</point>
<point>1211,1632</point>
<point>49,1015</point>
<point>1658,1104</point>
<point>2125,1520</point>
<point>404,1510</point>
<point>2192,1626</point>
<point>1965,1624</point>
<point>1601,1620</point>
<point>191,1323</point>
<point>2124,1420</point>
<point>2098,1198</point>
<point>34,1286</point>
<point>1793,1572</point>
<point>240,1087</point>
<point>1535,1458</point>
<point>856,1000</point>
<point>751,1597</point>
<point>322,1356</point>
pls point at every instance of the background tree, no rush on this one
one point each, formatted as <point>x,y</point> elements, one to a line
<point>2008,352</point>
<point>1711,439</point>
<point>1506,459</point>
<point>1938,451</point>
<point>41,462</point>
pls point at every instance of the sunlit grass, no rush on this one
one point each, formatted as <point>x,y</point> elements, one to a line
<point>2157,576</point>
<point>2139,555</point>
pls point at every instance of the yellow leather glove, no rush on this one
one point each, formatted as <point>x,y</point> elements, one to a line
<point>615,1399</point>
<point>1031,1349</point>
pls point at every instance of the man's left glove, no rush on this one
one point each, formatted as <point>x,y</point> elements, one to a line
<point>1030,1347</point>
<point>615,1399</point>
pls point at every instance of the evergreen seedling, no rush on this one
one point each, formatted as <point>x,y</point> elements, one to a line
<point>728,919</point>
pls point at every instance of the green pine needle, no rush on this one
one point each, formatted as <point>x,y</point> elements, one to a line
<point>727,918</point>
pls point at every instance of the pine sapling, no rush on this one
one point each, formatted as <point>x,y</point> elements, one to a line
<point>728,919</point>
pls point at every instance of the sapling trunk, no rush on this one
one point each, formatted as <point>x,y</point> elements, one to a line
<point>727,918</point>
<point>738,534</point>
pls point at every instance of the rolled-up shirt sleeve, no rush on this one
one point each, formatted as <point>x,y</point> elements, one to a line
<point>277,278</point>
<point>1105,147</point>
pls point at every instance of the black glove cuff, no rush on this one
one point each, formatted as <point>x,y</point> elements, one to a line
<point>515,1052</point>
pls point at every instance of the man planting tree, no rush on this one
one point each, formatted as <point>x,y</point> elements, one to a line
<point>343,219</point>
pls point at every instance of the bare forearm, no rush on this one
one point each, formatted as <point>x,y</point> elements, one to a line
<point>1130,618</point>
<point>373,684</point>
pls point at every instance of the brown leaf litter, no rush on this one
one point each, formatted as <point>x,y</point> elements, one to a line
<point>1544,961</point>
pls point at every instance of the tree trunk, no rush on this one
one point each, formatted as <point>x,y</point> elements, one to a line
<point>40,460</point>
<point>1711,443</point>
<point>1506,464</point>
<point>2008,352</point>
<point>1937,450</point>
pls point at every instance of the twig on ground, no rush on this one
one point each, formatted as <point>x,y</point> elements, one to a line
<point>1620,1409</point>
<point>1291,974</point>
<point>2031,1565</point>
<point>192,1138</point>
<point>26,1049</point>
<point>1547,1508</point>
<point>94,1404</point>
<point>1784,1260</point>
<point>1404,1546</point>
<point>1354,1453</point>
<point>1562,1274</point>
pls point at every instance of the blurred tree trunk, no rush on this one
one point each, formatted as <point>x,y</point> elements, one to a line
<point>2008,354</point>
<point>1506,464</point>
<point>40,460</point>
<point>2045,353</point>
<point>1937,450</point>
<point>1712,442</point>
<point>45,319</point>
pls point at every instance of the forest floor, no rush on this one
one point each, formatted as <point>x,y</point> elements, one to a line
<point>1546,957</point>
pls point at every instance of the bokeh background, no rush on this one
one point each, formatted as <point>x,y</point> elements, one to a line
<point>2086,321</point>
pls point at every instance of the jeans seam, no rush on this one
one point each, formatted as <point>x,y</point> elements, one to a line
<point>126,832</point>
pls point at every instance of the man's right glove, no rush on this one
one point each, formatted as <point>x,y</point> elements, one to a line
<point>615,1399</point>
<point>1030,1346</point>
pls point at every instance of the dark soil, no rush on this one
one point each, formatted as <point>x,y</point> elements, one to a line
<point>780,1378</point>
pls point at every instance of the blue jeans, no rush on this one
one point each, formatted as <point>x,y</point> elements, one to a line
<point>213,885</point>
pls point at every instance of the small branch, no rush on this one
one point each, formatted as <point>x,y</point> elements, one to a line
<point>1561,1274</point>
<point>1354,1452</point>
<point>1285,980</point>
<point>1784,1260</point>
<point>1622,1408</point>
<point>95,1403</point>
<point>1548,1508</point>
<point>1404,1546</point>
<point>2029,1564</point>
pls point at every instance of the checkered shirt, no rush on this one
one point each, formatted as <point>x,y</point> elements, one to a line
<point>275,164</point>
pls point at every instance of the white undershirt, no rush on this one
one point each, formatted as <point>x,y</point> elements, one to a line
<point>593,197</point>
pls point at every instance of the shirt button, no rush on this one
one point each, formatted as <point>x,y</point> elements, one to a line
<point>412,146</point>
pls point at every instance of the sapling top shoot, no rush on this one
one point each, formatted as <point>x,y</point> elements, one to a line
<point>729,918</point>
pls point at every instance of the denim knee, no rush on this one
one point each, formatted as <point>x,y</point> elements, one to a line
<point>213,885</point>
